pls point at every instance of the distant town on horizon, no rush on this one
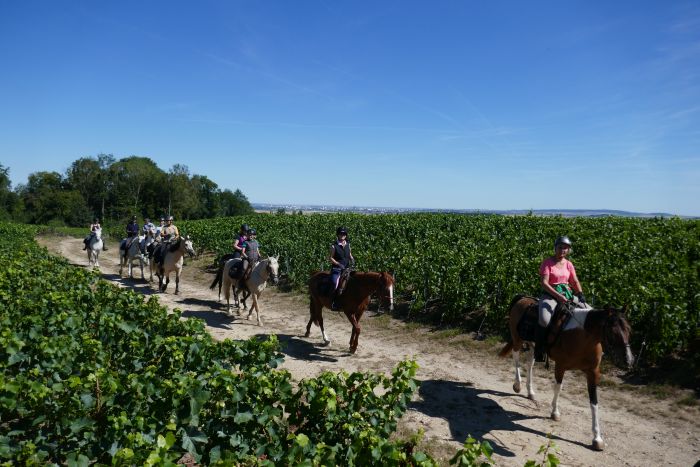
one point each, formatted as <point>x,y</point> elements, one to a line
<point>513,212</point>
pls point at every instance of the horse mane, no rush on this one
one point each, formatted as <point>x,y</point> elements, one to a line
<point>598,317</point>
<point>175,246</point>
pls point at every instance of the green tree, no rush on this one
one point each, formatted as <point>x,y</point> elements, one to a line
<point>208,197</point>
<point>182,198</point>
<point>46,199</point>
<point>138,186</point>
<point>234,204</point>
<point>8,198</point>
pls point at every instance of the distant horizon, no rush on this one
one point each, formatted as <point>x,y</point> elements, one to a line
<point>351,208</point>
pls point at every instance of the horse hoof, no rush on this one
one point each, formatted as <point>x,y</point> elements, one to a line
<point>308,333</point>
<point>555,416</point>
<point>516,387</point>
<point>598,445</point>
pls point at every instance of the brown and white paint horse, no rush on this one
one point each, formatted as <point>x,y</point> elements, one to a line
<point>579,346</point>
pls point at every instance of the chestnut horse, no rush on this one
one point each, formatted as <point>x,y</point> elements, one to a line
<point>578,346</point>
<point>353,301</point>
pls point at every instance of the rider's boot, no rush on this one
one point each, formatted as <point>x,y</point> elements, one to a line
<point>540,342</point>
<point>335,301</point>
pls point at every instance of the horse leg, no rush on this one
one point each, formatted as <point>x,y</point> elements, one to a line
<point>516,361</point>
<point>559,378</point>
<point>121,264</point>
<point>141,262</point>
<point>530,374</point>
<point>593,379</point>
<point>177,281</point>
<point>257,309</point>
<point>355,335</point>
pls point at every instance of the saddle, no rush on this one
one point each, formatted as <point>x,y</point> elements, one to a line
<point>236,269</point>
<point>529,322</point>
<point>129,241</point>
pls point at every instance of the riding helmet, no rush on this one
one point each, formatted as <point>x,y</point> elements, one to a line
<point>341,230</point>
<point>170,218</point>
<point>562,240</point>
<point>245,228</point>
<point>252,232</point>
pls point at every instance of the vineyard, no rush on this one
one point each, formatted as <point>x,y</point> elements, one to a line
<point>91,373</point>
<point>473,265</point>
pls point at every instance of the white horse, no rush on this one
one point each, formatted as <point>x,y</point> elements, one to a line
<point>172,261</point>
<point>255,284</point>
<point>147,239</point>
<point>94,247</point>
<point>129,255</point>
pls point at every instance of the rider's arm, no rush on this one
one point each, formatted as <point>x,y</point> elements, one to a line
<point>237,245</point>
<point>331,258</point>
<point>550,290</point>
<point>574,282</point>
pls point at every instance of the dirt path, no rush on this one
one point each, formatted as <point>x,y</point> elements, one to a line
<point>465,389</point>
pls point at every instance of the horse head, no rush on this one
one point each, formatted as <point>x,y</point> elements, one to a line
<point>617,333</point>
<point>386,290</point>
<point>188,247</point>
<point>273,267</point>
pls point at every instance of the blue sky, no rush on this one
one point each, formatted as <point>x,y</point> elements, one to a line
<point>448,104</point>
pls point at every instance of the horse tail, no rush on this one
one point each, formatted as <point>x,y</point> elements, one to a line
<point>506,350</point>
<point>217,278</point>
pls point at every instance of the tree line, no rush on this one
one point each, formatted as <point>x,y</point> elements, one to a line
<point>114,190</point>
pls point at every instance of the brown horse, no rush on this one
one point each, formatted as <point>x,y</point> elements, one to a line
<point>579,346</point>
<point>353,301</point>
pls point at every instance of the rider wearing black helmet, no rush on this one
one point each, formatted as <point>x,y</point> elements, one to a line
<point>239,241</point>
<point>341,257</point>
<point>251,253</point>
<point>559,284</point>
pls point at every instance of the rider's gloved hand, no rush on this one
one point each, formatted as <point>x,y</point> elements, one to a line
<point>581,297</point>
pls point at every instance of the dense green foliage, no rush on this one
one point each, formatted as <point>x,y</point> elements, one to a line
<point>93,373</point>
<point>114,190</point>
<point>476,264</point>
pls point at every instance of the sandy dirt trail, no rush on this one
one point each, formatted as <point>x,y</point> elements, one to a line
<point>465,388</point>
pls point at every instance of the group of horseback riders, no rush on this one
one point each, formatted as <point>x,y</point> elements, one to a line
<point>560,285</point>
<point>162,235</point>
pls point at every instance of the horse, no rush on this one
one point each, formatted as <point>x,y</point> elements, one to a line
<point>578,346</point>
<point>94,247</point>
<point>147,239</point>
<point>218,279</point>
<point>256,283</point>
<point>172,261</point>
<point>131,254</point>
<point>353,301</point>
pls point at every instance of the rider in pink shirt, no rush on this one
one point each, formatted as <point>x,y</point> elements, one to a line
<point>559,284</point>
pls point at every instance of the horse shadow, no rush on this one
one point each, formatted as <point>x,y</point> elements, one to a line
<point>469,412</point>
<point>295,347</point>
<point>219,320</point>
